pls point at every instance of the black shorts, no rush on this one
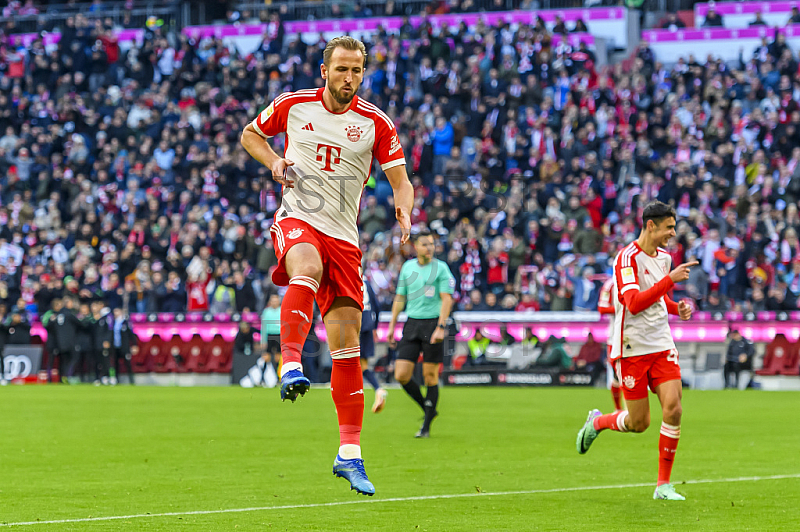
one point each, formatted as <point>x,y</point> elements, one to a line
<point>417,337</point>
<point>273,343</point>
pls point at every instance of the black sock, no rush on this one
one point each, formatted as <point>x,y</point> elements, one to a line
<point>431,400</point>
<point>412,389</point>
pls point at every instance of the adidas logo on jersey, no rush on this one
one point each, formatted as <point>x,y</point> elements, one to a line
<point>308,127</point>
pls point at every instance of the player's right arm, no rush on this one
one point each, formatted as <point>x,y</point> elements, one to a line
<point>398,305</point>
<point>628,280</point>
<point>270,122</point>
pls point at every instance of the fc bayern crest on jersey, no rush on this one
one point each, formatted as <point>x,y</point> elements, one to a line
<point>294,233</point>
<point>353,133</point>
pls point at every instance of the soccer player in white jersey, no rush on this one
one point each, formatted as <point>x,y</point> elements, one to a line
<point>642,348</point>
<point>332,137</point>
<point>605,305</point>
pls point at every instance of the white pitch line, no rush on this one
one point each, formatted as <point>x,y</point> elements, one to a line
<point>396,499</point>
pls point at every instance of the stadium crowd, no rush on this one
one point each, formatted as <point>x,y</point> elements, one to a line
<point>122,179</point>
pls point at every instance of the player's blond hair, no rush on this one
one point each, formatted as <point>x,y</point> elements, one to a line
<point>346,42</point>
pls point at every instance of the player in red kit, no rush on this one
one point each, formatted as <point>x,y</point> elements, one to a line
<point>332,137</point>
<point>605,305</point>
<point>643,351</point>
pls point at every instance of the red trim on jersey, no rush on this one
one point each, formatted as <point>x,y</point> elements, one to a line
<point>353,102</point>
<point>385,134</point>
<point>672,306</point>
<point>276,123</point>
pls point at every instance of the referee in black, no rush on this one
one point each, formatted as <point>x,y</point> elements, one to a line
<point>425,288</point>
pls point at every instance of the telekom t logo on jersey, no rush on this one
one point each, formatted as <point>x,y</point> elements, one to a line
<point>331,154</point>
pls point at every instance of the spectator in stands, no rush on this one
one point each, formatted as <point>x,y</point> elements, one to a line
<point>590,357</point>
<point>758,20</point>
<point>555,355</point>
<point>477,349</point>
<point>672,22</point>
<point>587,291</point>
<point>713,19</point>
<point>738,359</point>
<point>795,17</point>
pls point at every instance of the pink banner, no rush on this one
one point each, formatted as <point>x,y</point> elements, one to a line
<point>26,39</point>
<point>394,23</point>
<point>702,328</point>
<point>743,8</point>
<point>220,32</point>
<point>712,34</point>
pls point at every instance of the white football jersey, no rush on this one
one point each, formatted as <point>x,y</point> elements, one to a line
<point>647,332</point>
<point>608,301</point>
<point>332,155</point>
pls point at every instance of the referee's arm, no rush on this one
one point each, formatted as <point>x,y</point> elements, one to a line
<point>398,305</point>
<point>441,328</point>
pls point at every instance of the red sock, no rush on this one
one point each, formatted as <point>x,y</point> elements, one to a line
<point>347,389</point>
<point>667,445</point>
<point>297,313</point>
<point>615,421</point>
<point>615,394</point>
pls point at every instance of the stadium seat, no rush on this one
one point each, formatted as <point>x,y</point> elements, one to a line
<point>171,356</point>
<point>777,353</point>
<point>141,359</point>
<point>195,354</point>
<point>219,355</point>
<point>459,361</point>
<point>792,365</point>
<point>155,355</point>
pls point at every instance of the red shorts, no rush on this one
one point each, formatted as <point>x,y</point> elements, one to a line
<point>341,262</point>
<point>635,374</point>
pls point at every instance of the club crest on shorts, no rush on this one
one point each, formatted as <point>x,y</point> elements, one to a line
<point>294,233</point>
<point>629,382</point>
<point>353,133</point>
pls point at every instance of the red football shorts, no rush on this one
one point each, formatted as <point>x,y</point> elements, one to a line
<point>341,262</point>
<point>635,374</point>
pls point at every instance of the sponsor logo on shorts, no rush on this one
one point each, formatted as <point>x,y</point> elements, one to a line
<point>295,233</point>
<point>629,382</point>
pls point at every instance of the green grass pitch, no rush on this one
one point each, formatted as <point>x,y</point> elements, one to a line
<point>73,453</point>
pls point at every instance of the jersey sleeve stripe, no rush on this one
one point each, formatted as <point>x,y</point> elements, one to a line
<point>392,164</point>
<point>629,287</point>
<point>374,108</point>
<point>258,123</point>
<point>376,112</point>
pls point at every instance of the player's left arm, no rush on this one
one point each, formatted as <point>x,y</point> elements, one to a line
<point>672,306</point>
<point>389,153</point>
<point>682,309</point>
<point>403,197</point>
